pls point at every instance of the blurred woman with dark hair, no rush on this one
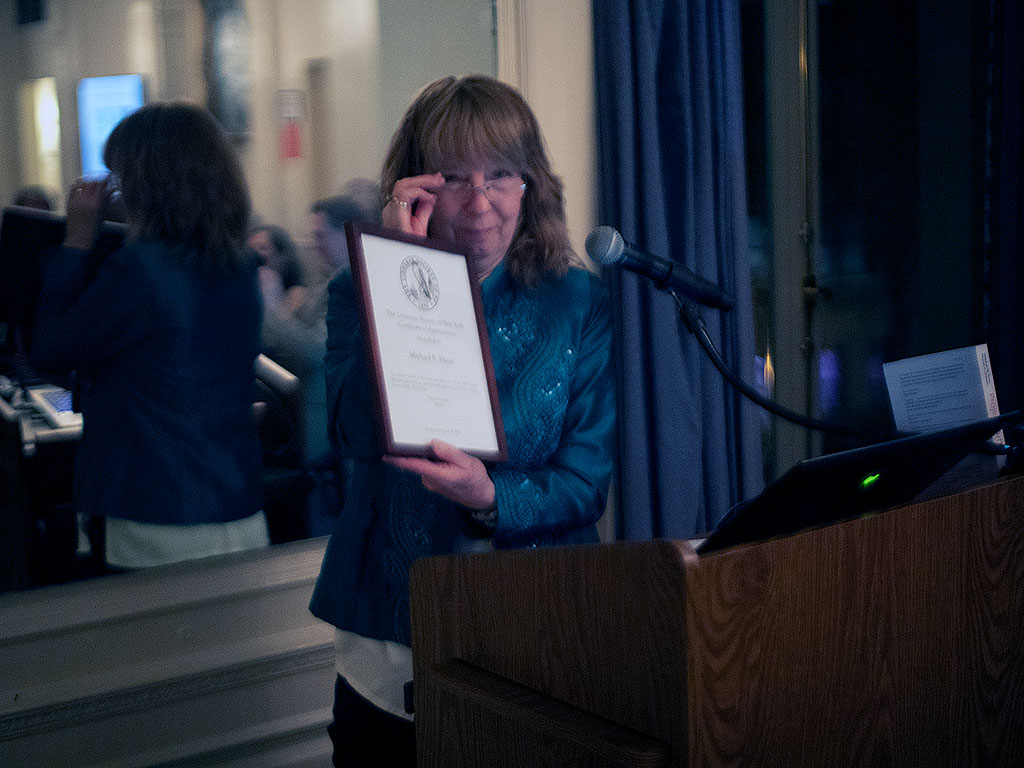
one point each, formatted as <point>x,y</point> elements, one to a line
<point>163,334</point>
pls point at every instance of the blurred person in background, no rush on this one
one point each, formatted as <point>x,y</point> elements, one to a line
<point>163,334</point>
<point>281,274</point>
<point>295,338</point>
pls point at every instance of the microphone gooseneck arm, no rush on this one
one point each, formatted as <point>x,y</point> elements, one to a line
<point>607,248</point>
<point>695,325</point>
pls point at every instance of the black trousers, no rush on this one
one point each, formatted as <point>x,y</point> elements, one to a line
<point>363,734</point>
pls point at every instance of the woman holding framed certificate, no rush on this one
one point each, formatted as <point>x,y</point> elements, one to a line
<point>467,166</point>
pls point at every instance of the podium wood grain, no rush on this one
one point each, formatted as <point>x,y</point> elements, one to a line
<point>892,640</point>
<point>895,639</point>
<point>597,627</point>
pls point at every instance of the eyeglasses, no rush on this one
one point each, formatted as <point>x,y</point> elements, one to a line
<point>495,190</point>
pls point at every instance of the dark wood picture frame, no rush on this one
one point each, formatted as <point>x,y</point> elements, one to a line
<point>367,298</point>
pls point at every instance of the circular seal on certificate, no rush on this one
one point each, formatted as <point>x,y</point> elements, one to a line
<point>419,282</point>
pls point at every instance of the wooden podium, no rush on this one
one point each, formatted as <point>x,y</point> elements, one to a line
<point>892,640</point>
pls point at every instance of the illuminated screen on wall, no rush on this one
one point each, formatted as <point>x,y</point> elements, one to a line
<point>102,102</point>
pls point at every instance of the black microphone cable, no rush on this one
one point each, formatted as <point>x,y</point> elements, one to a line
<point>695,325</point>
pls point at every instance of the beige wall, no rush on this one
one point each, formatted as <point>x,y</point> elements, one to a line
<point>341,43</point>
<point>546,50</point>
<point>359,51</point>
<point>8,105</point>
<point>362,58</point>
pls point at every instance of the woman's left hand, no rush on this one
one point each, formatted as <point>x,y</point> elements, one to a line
<point>86,203</point>
<point>453,473</point>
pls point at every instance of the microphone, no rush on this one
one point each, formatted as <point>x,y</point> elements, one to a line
<point>606,247</point>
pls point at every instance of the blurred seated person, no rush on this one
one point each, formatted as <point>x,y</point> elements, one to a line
<point>33,197</point>
<point>358,200</point>
<point>163,334</point>
<point>280,266</point>
<point>296,338</point>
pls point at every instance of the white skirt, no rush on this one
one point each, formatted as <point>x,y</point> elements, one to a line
<point>131,544</point>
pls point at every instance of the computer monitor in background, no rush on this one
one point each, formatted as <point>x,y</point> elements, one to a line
<point>24,234</point>
<point>102,102</point>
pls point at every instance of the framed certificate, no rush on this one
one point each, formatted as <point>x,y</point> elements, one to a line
<point>426,344</point>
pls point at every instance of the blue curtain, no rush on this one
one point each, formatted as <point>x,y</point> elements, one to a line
<point>671,168</point>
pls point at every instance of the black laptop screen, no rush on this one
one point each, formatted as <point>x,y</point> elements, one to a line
<point>844,485</point>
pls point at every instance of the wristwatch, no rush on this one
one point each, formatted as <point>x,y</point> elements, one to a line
<point>482,521</point>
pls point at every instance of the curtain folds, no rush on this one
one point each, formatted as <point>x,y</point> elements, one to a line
<point>669,96</point>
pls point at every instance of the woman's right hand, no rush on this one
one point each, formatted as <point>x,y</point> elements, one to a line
<point>86,202</point>
<point>412,202</point>
<point>272,288</point>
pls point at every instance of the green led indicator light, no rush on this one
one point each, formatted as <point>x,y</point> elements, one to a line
<point>869,480</point>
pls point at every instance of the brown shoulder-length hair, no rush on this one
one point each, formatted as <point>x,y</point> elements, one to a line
<point>181,180</point>
<point>468,119</point>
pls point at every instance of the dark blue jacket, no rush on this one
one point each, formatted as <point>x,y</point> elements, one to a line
<point>164,350</point>
<point>551,349</point>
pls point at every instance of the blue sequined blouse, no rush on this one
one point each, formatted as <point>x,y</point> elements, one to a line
<point>551,349</point>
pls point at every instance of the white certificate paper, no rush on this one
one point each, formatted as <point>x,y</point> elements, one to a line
<point>427,345</point>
